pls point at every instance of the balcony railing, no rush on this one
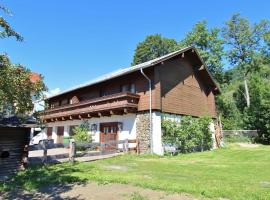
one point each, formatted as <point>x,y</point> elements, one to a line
<point>102,106</point>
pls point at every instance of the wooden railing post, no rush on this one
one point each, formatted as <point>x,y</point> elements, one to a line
<point>72,150</point>
<point>44,147</point>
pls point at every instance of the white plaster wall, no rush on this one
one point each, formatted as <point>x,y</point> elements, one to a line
<point>157,134</point>
<point>128,131</point>
<point>54,133</point>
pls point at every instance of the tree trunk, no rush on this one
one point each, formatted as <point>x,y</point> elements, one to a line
<point>247,92</point>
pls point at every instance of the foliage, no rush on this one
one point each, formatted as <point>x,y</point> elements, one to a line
<point>6,29</point>
<point>190,134</point>
<point>257,116</point>
<point>81,133</point>
<point>16,88</point>
<point>235,173</point>
<point>245,42</point>
<point>152,47</point>
<point>210,46</point>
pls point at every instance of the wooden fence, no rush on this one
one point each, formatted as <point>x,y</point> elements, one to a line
<point>101,148</point>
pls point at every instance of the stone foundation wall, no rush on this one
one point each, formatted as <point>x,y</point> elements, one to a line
<point>143,132</point>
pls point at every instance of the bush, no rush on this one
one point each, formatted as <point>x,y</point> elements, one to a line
<point>81,133</point>
<point>191,134</point>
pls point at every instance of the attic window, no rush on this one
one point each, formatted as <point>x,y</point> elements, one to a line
<point>4,154</point>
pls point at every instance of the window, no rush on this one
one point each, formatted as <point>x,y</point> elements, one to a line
<point>104,93</point>
<point>64,102</point>
<point>132,88</point>
<point>128,88</point>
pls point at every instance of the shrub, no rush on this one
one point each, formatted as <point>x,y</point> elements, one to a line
<point>191,134</point>
<point>81,133</point>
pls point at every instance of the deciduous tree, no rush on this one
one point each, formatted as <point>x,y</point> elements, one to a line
<point>152,47</point>
<point>210,46</point>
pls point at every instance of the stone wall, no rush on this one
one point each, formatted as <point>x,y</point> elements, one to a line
<point>143,132</point>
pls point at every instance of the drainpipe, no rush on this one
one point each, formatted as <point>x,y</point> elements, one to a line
<point>150,108</point>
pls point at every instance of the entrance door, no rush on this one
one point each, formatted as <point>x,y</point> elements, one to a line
<point>60,134</point>
<point>108,133</point>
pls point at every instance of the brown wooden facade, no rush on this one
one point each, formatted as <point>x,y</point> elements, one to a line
<point>180,85</point>
<point>12,149</point>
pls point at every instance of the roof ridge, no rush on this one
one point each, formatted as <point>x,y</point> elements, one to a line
<point>121,71</point>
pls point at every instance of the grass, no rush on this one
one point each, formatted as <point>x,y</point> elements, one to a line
<point>137,196</point>
<point>233,172</point>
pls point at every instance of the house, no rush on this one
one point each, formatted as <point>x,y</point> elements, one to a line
<point>14,137</point>
<point>118,105</point>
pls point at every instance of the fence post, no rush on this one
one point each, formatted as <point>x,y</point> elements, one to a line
<point>126,145</point>
<point>72,150</point>
<point>102,147</point>
<point>44,147</point>
<point>137,146</point>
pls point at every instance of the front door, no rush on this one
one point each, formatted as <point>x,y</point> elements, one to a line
<point>108,134</point>
<point>60,134</point>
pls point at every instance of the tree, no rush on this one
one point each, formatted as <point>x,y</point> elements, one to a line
<point>153,47</point>
<point>7,30</point>
<point>16,88</point>
<point>245,44</point>
<point>210,46</point>
<point>257,116</point>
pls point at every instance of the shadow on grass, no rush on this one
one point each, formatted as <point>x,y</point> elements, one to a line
<point>39,182</point>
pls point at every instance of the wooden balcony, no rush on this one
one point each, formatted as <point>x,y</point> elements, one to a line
<point>116,104</point>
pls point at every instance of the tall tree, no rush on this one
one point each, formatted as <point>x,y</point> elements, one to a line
<point>152,47</point>
<point>245,44</point>
<point>16,88</point>
<point>210,46</point>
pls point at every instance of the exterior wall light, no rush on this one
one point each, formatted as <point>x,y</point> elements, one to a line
<point>93,127</point>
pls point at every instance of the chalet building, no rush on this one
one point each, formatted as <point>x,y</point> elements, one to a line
<point>118,105</point>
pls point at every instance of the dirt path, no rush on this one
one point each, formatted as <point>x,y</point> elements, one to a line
<point>94,191</point>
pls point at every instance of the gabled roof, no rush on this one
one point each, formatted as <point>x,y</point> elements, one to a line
<point>134,68</point>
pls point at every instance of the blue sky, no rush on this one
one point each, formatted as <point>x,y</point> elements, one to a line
<point>72,42</point>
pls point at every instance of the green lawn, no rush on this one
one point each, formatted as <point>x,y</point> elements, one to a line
<point>234,173</point>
